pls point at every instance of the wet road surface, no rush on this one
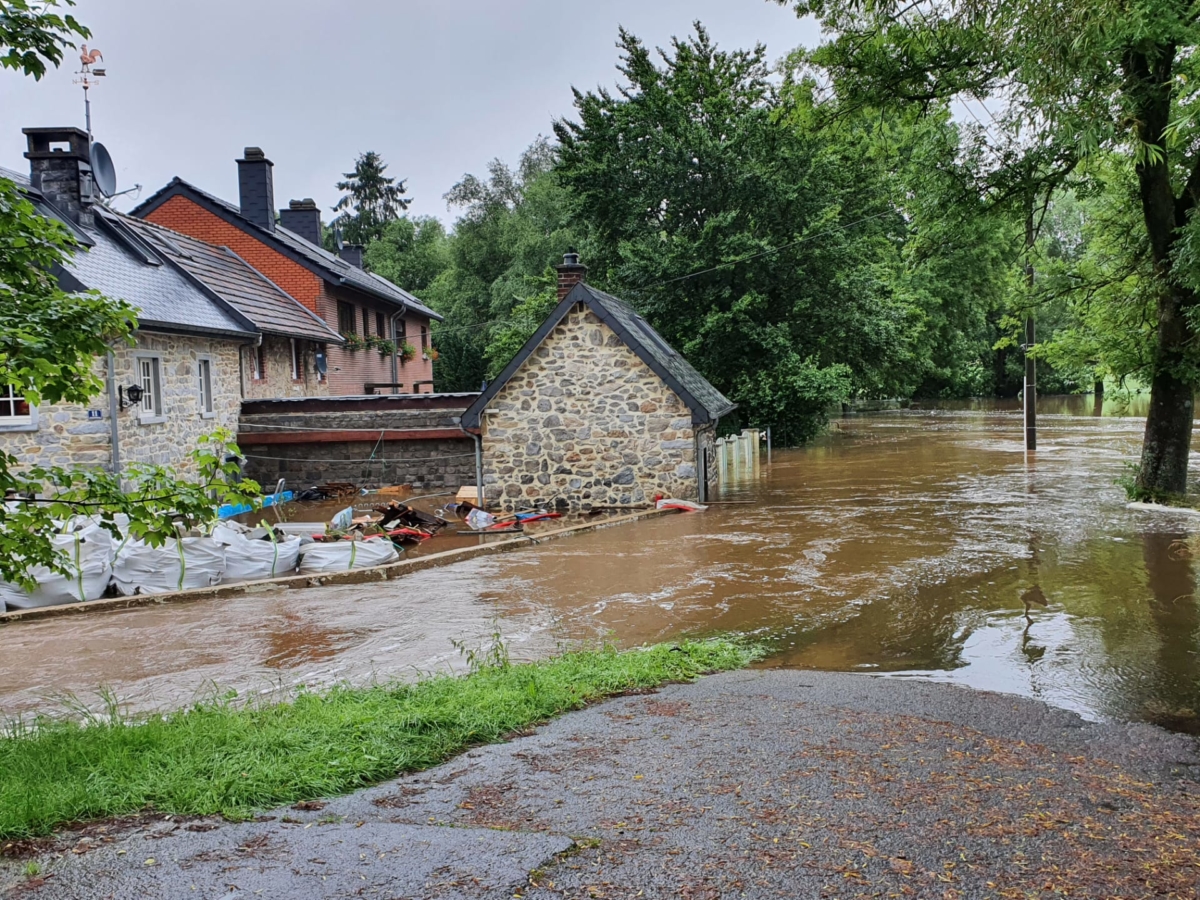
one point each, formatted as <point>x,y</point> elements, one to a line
<point>759,784</point>
<point>916,543</point>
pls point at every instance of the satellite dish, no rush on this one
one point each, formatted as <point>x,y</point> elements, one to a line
<point>337,238</point>
<point>322,364</point>
<point>103,171</point>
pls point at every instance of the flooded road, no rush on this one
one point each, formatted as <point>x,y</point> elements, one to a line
<point>915,543</point>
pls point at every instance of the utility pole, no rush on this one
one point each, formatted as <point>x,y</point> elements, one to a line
<point>1030,392</point>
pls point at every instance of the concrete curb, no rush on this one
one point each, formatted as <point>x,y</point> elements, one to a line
<point>354,576</point>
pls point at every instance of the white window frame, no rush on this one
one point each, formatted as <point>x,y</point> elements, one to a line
<point>17,423</point>
<point>150,410</point>
<point>204,371</point>
<point>297,368</point>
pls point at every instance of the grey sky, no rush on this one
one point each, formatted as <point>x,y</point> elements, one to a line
<point>438,88</point>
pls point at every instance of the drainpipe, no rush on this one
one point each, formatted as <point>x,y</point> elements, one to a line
<point>395,346</point>
<point>113,409</point>
<point>479,470</point>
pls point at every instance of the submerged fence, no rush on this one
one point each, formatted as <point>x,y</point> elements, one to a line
<point>738,455</point>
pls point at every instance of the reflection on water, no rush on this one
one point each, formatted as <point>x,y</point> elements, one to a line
<point>916,543</point>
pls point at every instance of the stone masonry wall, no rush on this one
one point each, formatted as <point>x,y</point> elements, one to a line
<point>584,422</point>
<point>277,356</point>
<point>63,435</point>
<point>441,464</point>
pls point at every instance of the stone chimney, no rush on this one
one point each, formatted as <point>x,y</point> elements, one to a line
<point>352,253</point>
<point>256,188</point>
<point>60,166</point>
<point>570,273</point>
<point>303,218</point>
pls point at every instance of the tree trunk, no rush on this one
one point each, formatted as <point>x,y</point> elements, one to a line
<point>1168,438</point>
<point>1149,83</point>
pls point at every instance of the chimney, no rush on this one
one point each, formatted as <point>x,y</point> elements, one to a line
<point>303,217</point>
<point>256,188</point>
<point>60,167</point>
<point>570,273</point>
<point>352,253</point>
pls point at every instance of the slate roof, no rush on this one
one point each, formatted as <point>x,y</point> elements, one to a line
<point>317,259</point>
<point>258,298</point>
<point>705,401</point>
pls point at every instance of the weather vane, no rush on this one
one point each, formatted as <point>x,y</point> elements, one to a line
<point>87,78</point>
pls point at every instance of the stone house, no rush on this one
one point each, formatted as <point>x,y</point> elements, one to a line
<point>348,299</point>
<point>595,410</point>
<point>183,369</point>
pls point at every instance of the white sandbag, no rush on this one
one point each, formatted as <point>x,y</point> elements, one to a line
<point>178,565</point>
<point>88,550</point>
<point>248,558</point>
<point>341,556</point>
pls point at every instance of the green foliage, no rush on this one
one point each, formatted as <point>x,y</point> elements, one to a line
<point>221,758</point>
<point>411,252</point>
<point>33,35</point>
<point>523,320</point>
<point>372,200</point>
<point>354,342</point>
<point>385,347</point>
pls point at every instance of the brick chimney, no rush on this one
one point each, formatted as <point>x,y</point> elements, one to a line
<point>256,188</point>
<point>303,217</point>
<point>352,253</point>
<point>570,273</point>
<point>60,167</point>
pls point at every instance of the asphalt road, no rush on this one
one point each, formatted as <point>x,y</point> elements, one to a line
<point>761,783</point>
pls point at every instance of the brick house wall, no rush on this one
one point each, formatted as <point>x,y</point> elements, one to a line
<point>348,370</point>
<point>584,422</point>
<point>63,435</point>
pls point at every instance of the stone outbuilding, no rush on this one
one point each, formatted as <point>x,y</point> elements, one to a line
<point>595,410</point>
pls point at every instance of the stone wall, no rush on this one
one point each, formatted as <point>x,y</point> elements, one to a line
<point>277,369</point>
<point>63,435</point>
<point>428,465</point>
<point>584,422</point>
<point>304,441</point>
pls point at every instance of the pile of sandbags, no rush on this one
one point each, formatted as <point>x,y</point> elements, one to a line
<point>254,554</point>
<point>88,550</point>
<point>178,565</point>
<point>321,557</point>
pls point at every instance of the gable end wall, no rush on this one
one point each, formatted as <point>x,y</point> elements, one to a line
<point>584,421</point>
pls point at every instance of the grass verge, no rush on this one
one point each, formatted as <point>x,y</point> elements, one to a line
<point>233,760</point>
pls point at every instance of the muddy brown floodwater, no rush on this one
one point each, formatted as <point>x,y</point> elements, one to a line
<point>920,543</point>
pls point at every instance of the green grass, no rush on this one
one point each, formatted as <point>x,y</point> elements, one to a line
<point>232,760</point>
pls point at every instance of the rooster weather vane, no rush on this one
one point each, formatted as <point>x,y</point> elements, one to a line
<point>87,78</point>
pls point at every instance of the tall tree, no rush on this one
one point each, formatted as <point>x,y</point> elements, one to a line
<point>1061,81</point>
<point>372,200</point>
<point>760,249</point>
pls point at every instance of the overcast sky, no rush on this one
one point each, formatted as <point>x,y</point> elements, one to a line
<point>438,88</point>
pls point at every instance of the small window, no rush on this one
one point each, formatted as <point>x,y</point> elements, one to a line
<point>322,353</point>
<point>258,363</point>
<point>295,359</point>
<point>346,323</point>
<point>424,338</point>
<point>380,326</point>
<point>366,322</point>
<point>151,383</point>
<point>206,394</point>
<point>401,332</point>
<point>14,409</point>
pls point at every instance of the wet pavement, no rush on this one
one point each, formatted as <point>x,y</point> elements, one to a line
<point>758,784</point>
<point>921,543</point>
